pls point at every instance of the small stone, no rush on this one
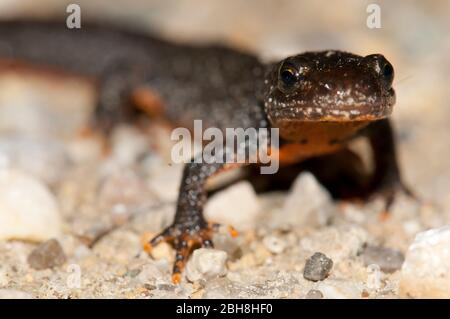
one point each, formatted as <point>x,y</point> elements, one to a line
<point>426,270</point>
<point>365,294</point>
<point>163,251</point>
<point>28,210</point>
<point>274,244</point>
<point>206,264</point>
<point>317,267</point>
<point>150,273</point>
<point>47,255</point>
<point>388,259</point>
<point>237,205</point>
<point>314,294</point>
<point>340,289</point>
<point>150,287</point>
<point>308,203</point>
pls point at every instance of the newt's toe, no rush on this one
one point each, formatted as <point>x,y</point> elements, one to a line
<point>148,247</point>
<point>185,240</point>
<point>176,278</point>
<point>384,215</point>
<point>232,231</point>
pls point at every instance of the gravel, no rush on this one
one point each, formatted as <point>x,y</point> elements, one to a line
<point>274,244</point>
<point>317,267</point>
<point>314,294</point>
<point>237,206</point>
<point>28,210</point>
<point>47,255</point>
<point>389,260</point>
<point>426,270</point>
<point>206,264</point>
<point>307,203</point>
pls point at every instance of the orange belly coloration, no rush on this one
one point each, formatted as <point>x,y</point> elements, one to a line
<point>310,139</point>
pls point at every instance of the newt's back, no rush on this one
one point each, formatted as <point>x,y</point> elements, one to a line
<point>216,84</point>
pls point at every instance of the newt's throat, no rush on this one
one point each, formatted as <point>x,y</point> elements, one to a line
<point>319,133</point>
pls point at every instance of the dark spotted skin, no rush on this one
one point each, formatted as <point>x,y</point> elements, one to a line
<point>318,100</point>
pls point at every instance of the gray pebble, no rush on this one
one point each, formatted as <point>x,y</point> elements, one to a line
<point>317,267</point>
<point>314,294</point>
<point>388,259</point>
<point>47,255</point>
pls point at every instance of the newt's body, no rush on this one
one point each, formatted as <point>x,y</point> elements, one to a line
<point>318,100</point>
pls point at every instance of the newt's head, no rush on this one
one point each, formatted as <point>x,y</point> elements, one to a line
<point>330,86</point>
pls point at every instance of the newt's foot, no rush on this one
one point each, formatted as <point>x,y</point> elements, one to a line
<point>390,192</point>
<point>185,240</point>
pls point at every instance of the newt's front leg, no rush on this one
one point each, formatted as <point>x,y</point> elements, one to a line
<point>387,180</point>
<point>190,229</point>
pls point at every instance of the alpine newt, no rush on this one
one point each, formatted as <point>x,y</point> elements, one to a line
<point>318,100</point>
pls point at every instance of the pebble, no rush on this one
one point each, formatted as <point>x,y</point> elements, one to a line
<point>206,264</point>
<point>389,260</point>
<point>150,273</point>
<point>308,203</point>
<point>47,255</point>
<point>339,289</point>
<point>163,251</point>
<point>274,244</point>
<point>317,267</point>
<point>426,270</point>
<point>314,294</point>
<point>28,210</point>
<point>237,205</point>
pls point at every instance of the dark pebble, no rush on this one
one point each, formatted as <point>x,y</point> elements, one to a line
<point>317,267</point>
<point>47,255</point>
<point>388,259</point>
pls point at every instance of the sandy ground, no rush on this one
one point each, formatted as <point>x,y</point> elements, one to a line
<point>108,204</point>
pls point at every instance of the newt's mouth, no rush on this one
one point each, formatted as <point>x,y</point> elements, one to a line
<point>342,110</point>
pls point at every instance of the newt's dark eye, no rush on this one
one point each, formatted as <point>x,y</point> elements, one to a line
<point>288,77</point>
<point>388,73</point>
<point>382,67</point>
<point>388,70</point>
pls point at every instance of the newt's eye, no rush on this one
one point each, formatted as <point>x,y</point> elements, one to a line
<point>388,73</point>
<point>383,68</point>
<point>287,78</point>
